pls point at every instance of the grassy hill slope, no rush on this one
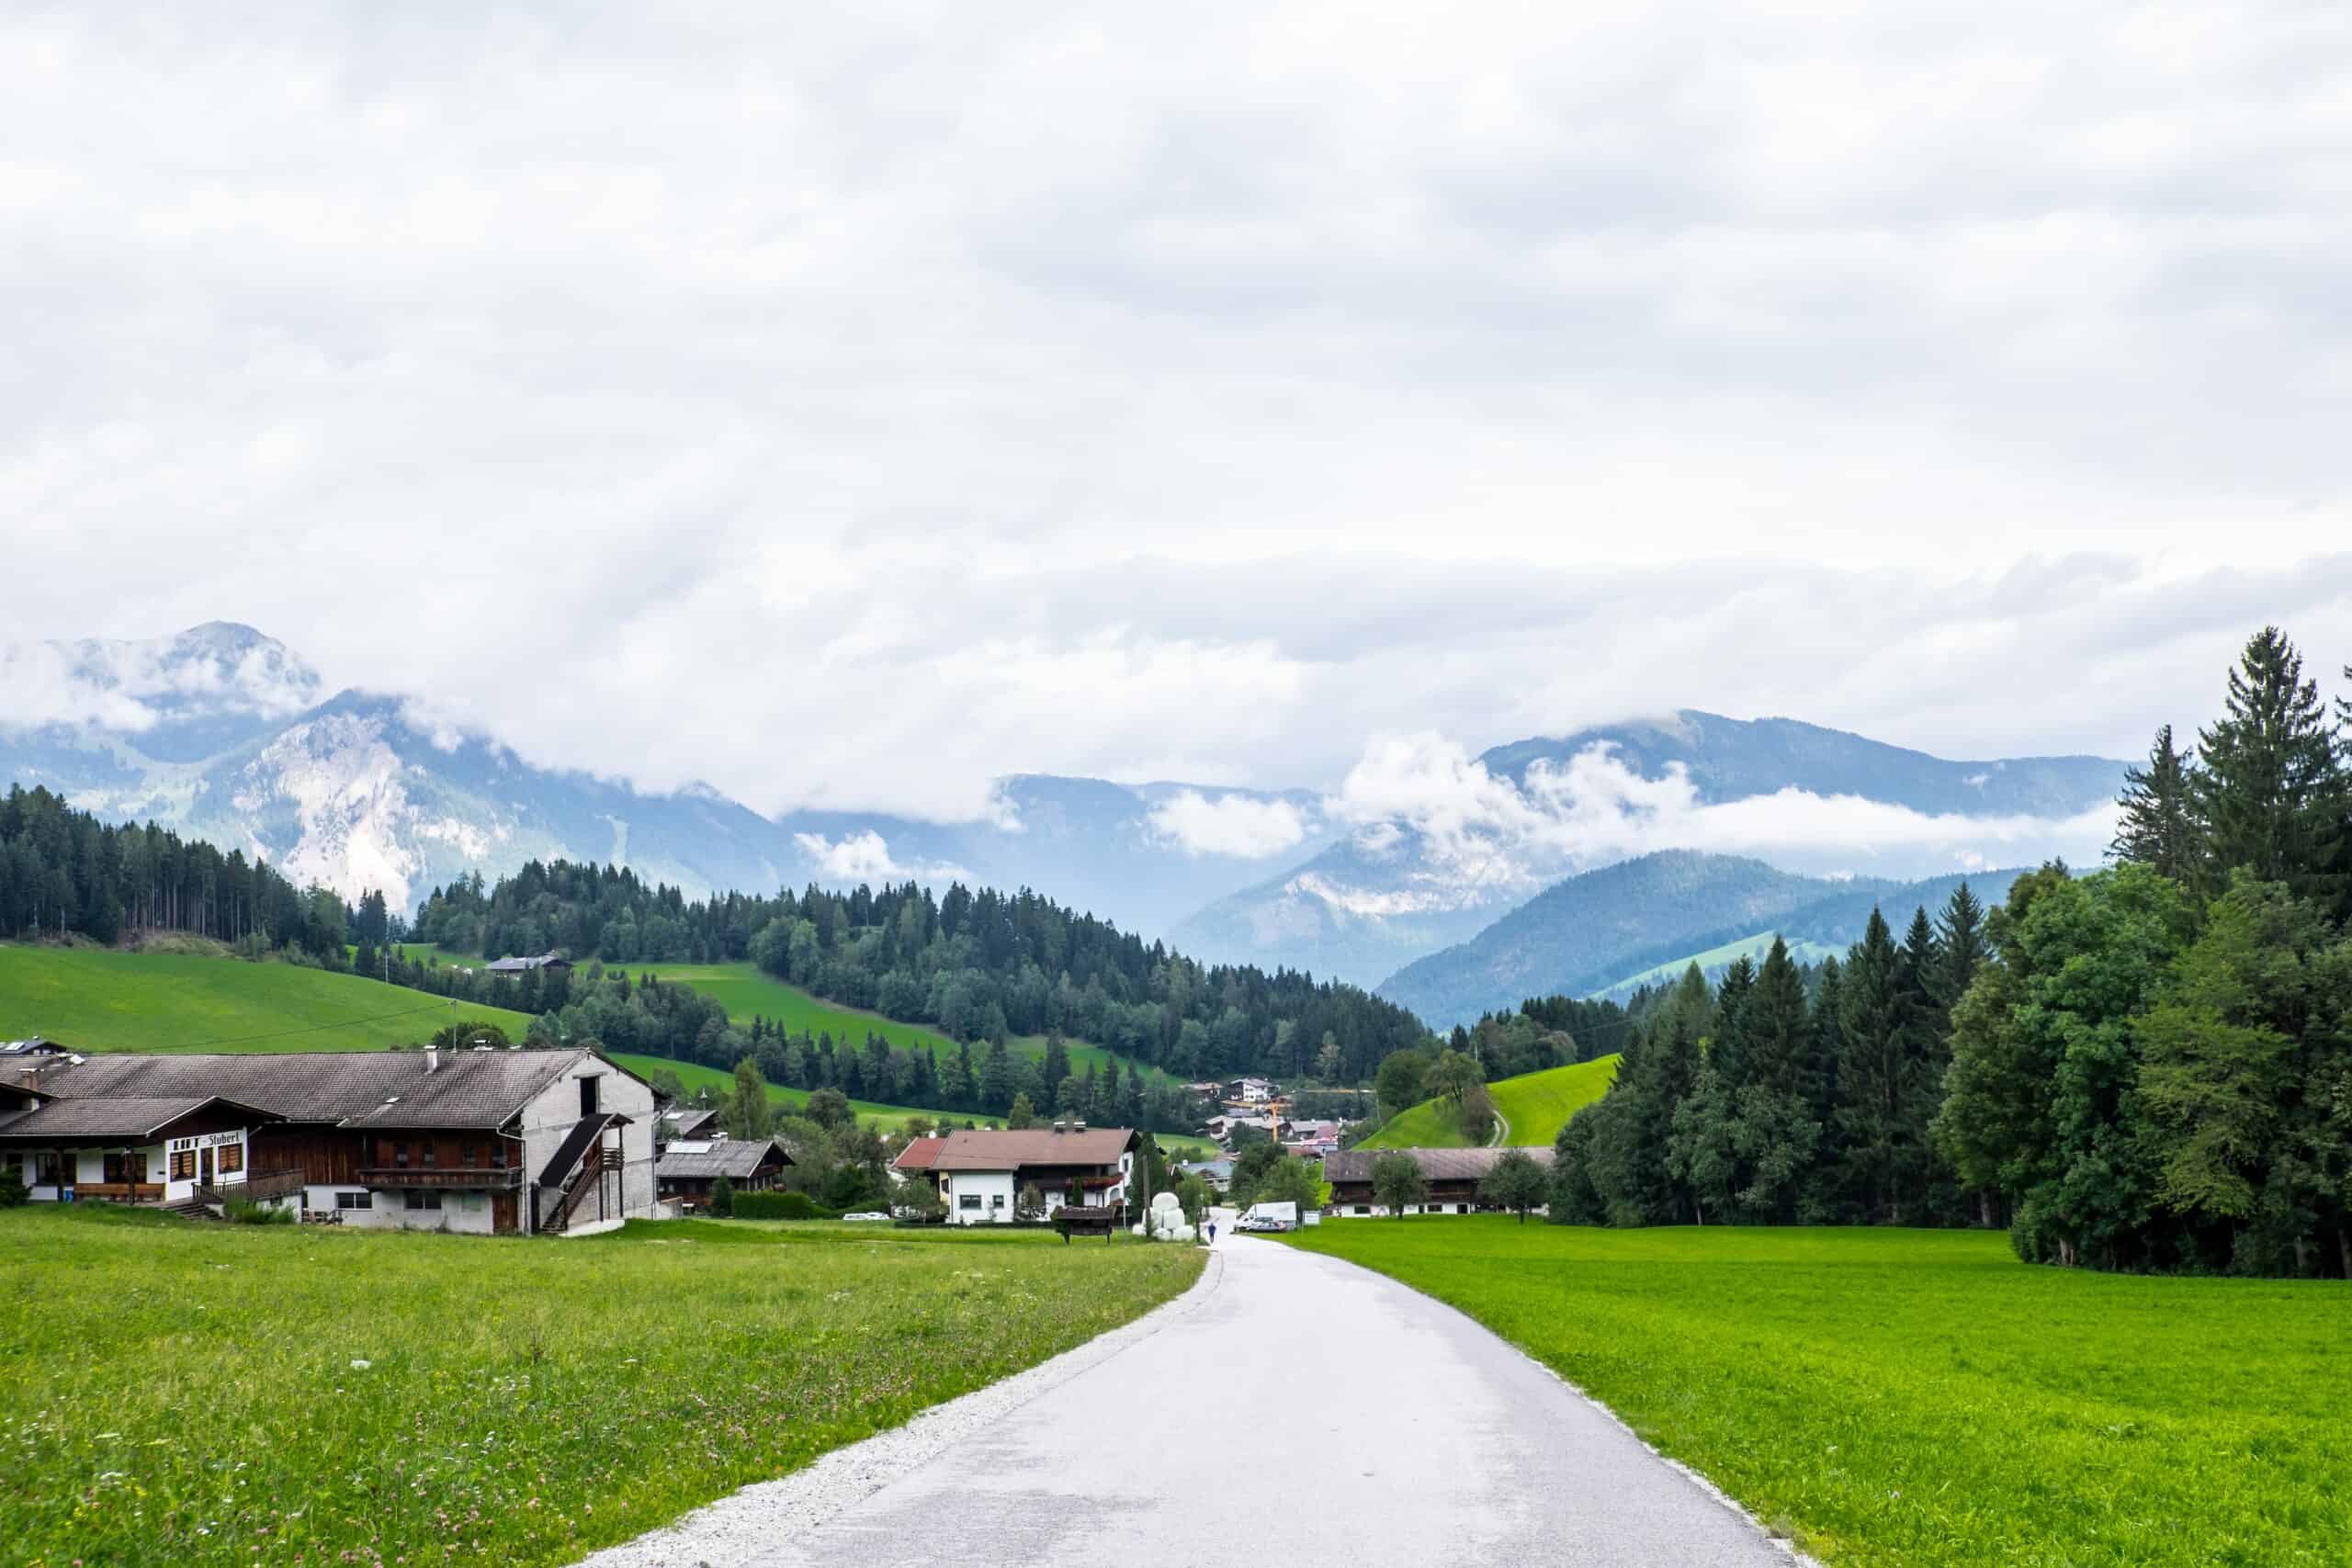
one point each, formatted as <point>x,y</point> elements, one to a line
<point>1537,1105</point>
<point>96,999</point>
<point>745,991</point>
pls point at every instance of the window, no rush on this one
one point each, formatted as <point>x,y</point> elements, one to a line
<point>996,1200</point>
<point>413,1199</point>
<point>125,1167</point>
<point>969,1200</point>
<point>1364,1208</point>
<point>183,1165</point>
<point>588,1097</point>
<point>498,1154</point>
<point>428,1153</point>
<point>233,1158</point>
<point>49,1169</point>
<point>355,1200</point>
<point>400,1155</point>
<point>466,1154</point>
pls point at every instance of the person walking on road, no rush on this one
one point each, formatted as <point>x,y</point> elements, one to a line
<point>1212,1232</point>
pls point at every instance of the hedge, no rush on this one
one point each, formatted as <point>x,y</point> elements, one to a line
<point>780,1206</point>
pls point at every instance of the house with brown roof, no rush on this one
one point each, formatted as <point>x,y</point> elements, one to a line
<point>913,1163</point>
<point>474,1140</point>
<point>1452,1174</point>
<point>981,1173</point>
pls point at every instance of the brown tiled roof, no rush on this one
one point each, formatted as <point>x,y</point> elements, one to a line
<point>1010,1149</point>
<point>919,1154</point>
<point>133,1117</point>
<point>1437,1165</point>
<point>348,1088</point>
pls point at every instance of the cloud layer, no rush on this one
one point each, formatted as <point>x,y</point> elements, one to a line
<point>850,406</point>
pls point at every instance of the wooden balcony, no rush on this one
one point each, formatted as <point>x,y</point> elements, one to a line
<point>263,1185</point>
<point>441,1176</point>
<point>118,1191</point>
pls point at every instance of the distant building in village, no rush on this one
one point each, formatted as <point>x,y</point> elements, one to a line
<point>1452,1176</point>
<point>545,964</point>
<point>475,1140</point>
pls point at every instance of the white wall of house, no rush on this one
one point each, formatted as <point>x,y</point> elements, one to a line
<point>979,1197</point>
<point>554,1110</point>
<point>386,1209</point>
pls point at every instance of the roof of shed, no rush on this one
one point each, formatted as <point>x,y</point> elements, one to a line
<point>733,1159</point>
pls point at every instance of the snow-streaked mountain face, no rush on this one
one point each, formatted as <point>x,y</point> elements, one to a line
<point>219,732</point>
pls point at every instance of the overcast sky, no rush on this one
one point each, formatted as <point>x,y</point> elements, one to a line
<point>846,407</point>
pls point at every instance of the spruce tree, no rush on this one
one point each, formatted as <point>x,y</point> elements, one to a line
<point>1960,933</point>
<point>2158,827</point>
<point>1873,1059</point>
<point>2266,786</point>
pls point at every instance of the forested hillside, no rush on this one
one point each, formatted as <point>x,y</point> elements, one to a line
<point>977,965</point>
<point>2147,1067</point>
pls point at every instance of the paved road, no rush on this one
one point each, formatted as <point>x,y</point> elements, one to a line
<point>1327,1415</point>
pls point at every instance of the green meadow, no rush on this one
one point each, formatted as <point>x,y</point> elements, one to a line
<point>747,991</point>
<point>694,1075</point>
<point>95,998</point>
<point>1535,1105</point>
<point>220,1395</point>
<point>1921,1397</point>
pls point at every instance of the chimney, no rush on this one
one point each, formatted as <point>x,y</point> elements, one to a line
<point>432,1058</point>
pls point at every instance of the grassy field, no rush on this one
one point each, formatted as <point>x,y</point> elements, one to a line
<point>173,1392</point>
<point>1536,1105</point>
<point>746,991</point>
<point>892,1118</point>
<point>97,1000</point>
<point>1922,1398</point>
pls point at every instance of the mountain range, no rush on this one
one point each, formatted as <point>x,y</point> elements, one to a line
<point>1604,931</point>
<point>1396,875</point>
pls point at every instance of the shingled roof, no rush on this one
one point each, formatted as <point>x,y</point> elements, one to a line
<point>1437,1165</point>
<point>346,1089</point>
<point>139,1117</point>
<point>734,1159</point>
<point>1012,1149</point>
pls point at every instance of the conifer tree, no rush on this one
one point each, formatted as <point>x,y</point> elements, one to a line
<point>2158,827</point>
<point>2266,786</point>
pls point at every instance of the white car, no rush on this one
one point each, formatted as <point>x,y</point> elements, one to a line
<point>868,1214</point>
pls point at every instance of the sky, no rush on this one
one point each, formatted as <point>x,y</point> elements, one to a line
<point>846,406</point>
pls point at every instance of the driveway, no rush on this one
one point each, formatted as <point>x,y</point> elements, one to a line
<point>1291,1408</point>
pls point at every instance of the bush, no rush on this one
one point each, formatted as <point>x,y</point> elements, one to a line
<point>722,1198</point>
<point>13,1189</point>
<point>780,1206</point>
<point>245,1211</point>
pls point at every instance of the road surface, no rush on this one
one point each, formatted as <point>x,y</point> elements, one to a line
<point>1303,1410</point>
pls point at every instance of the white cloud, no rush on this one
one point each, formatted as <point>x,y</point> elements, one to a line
<point>1241,826</point>
<point>865,857</point>
<point>1181,394</point>
<point>1482,837</point>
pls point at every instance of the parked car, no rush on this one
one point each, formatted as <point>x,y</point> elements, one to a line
<point>868,1214</point>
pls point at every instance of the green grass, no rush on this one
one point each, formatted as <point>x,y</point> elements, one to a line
<point>176,1393</point>
<point>1922,1398</point>
<point>747,991</point>
<point>94,999</point>
<point>1537,1105</point>
<point>892,1118</point>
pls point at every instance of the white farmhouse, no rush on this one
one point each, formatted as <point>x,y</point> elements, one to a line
<point>981,1173</point>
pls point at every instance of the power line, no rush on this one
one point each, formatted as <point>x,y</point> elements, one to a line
<point>313,1029</point>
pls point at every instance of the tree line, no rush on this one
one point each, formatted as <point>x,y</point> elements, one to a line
<point>63,873</point>
<point>2146,1067</point>
<point>976,965</point>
